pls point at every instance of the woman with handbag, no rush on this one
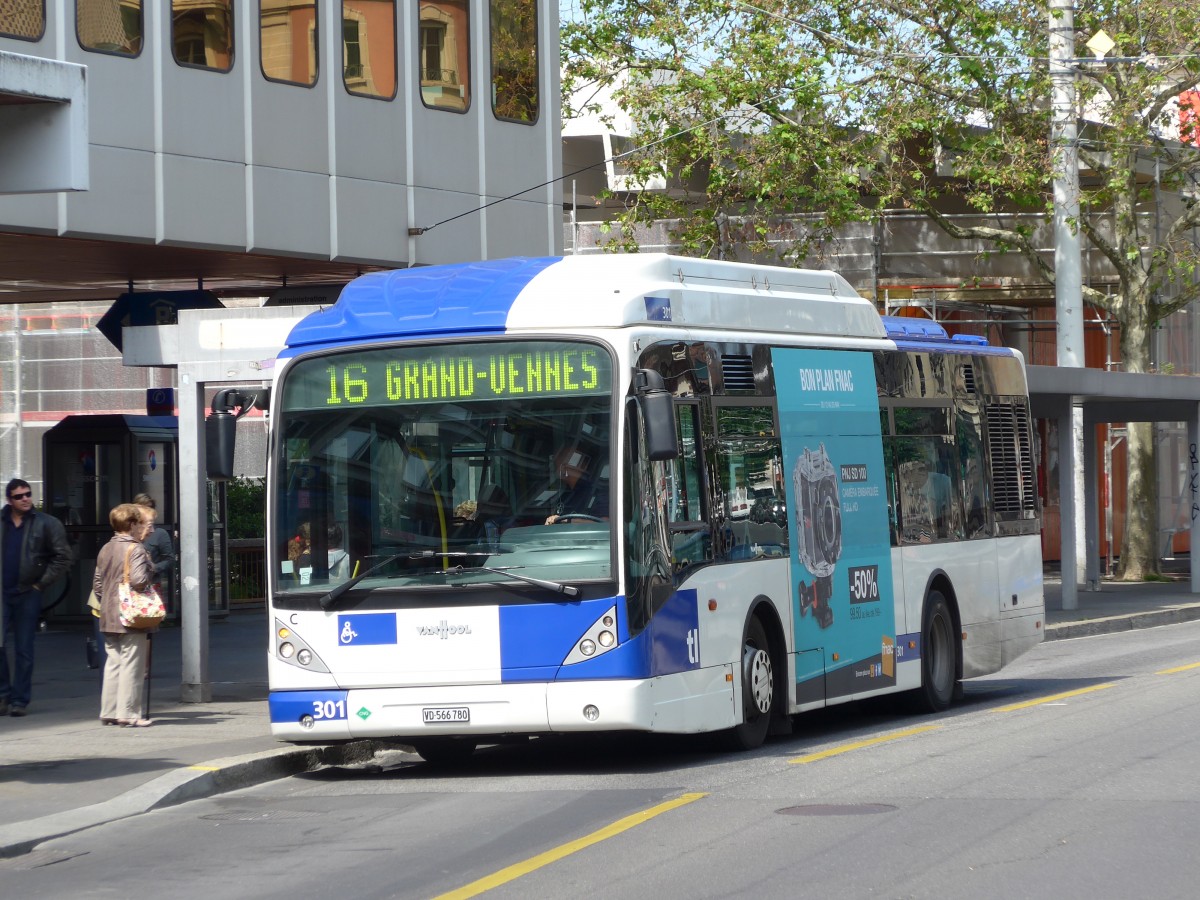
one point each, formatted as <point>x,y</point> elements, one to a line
<point>124,576</point>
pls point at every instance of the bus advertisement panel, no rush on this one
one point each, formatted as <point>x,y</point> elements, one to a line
<point>841,570</point>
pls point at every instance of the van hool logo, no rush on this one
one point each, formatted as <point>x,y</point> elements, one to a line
<point>442,629</point>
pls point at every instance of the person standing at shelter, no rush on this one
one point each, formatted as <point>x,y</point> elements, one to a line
<point>35,554</point>
<point>161,548</point>
<point>122,559</point>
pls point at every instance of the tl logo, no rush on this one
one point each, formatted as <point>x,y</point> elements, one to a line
<point>693,645</point>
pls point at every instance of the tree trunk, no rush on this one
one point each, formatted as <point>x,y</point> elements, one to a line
<point>1139,542</point>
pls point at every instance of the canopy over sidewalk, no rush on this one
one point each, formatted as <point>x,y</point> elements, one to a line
<point>1055,392</point>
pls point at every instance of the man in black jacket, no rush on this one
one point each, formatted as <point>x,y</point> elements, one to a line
<point>34,553</point>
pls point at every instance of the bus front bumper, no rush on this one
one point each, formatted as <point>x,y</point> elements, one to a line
<point>702,700</point>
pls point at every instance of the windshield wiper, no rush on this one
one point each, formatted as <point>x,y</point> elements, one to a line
<point>557,587</point>
<point>334,593</point>
<point>331,598</point>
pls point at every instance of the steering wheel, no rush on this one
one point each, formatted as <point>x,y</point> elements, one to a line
<point>584,516</point>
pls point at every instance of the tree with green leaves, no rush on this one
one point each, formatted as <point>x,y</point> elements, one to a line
<point>246,504</point>
<point>825,113</point>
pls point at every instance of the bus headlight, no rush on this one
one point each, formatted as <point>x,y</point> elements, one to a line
<point>292,649</point>
<point>598,639</point>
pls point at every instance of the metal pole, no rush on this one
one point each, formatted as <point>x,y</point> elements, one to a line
<point>1068,278</point>
<point>19,411</point>
<point>1193,492</point>
<point>1068,286</point>
<point>193,542</point>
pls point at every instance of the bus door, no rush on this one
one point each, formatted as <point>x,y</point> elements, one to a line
<point>835,478</point>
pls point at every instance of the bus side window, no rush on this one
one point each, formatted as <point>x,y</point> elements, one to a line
<point>974,477</point>
<point>929,490</point>
<point>691,539</point>
<point>648,583</point>
<point>750,467</point>
<point>889,466</point>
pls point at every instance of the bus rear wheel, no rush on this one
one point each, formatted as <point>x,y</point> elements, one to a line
<point>758,690</point>
<point>939,656</point>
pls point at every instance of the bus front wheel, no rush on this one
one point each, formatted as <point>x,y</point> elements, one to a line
<point>939,656</point>
<point>758,690</point>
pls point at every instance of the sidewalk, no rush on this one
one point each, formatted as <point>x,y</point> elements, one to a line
<point>61,771</point>
<point>1119,607</point>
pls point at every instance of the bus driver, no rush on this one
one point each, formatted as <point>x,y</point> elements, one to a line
<point>578,495</point>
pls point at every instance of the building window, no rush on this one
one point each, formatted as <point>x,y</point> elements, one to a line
<point>202,33</point>
<point>445,31</point>
<point>369,48</point>
<point>109,26</point>
<point>515,60</point>
<point>24,19</point>
<point>287,34</point>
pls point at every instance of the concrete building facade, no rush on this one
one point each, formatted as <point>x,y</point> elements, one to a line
<point>246,145</point>
<point>250,148</point>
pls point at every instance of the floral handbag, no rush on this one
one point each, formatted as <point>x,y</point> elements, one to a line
<point>140,610</point>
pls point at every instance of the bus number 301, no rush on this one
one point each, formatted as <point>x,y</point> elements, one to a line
<point>329,709</point>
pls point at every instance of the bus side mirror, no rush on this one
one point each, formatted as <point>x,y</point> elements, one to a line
<point>658,415</point>
<point>220,436</point>
<point>220,429</point>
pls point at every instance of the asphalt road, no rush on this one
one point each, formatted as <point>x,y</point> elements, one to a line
<point>1075,773</point>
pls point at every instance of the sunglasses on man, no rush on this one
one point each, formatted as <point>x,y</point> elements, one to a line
<point>20,496</point>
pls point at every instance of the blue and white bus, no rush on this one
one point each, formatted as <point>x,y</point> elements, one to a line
<point>642,492</point>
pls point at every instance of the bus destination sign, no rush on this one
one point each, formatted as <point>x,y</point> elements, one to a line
<point>474,372</point>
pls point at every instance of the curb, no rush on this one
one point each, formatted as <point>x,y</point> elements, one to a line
<point>181,785</point>
<point>1113,624</point>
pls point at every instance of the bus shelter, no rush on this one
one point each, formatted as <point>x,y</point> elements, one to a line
<point>1100,397</point>
<point>210,348</point>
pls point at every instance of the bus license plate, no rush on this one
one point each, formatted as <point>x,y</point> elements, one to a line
<point>436,715</point>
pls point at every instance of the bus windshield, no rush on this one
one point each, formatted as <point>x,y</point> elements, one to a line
<point>439,465</point>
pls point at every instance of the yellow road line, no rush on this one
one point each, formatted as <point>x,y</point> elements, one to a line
<point>205,768</point>
<point>1179,669</point>
<point>515,871</point>
<point>1053,697</point>
<point>858,745</point>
